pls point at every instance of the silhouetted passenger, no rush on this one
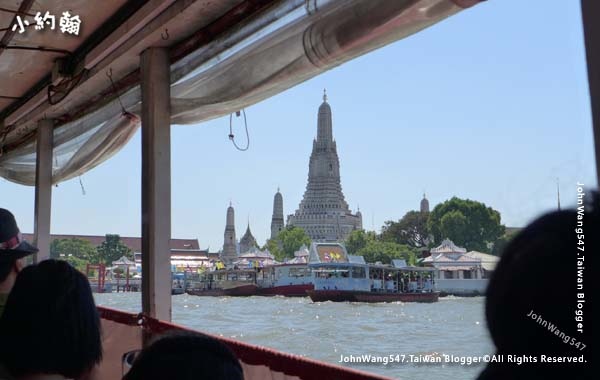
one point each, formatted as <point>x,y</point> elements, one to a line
<point>186,356</point>
<point>12,251</point>
<point>50,326</point>
<point>531,304</point>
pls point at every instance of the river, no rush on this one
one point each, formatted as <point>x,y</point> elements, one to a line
<point>326,331</point>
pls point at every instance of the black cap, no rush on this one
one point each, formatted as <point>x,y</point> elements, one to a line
<point>12,247</point>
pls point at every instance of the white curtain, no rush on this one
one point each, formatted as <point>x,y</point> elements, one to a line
<point>287,44</point>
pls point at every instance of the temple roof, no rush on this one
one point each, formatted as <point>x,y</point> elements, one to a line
<point>248,232</point>
<point>248,237</point>
<point>488,262</point>
<point>451,258</point>
<point>448,246</point>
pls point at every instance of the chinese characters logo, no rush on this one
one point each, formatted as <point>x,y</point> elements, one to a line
<point>67,23</point>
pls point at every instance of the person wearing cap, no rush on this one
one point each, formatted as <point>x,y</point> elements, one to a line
<point>12,251</point>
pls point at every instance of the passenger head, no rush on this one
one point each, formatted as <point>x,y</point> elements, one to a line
<point>12,250</point>
<point>532,296</point>
<point>50,324</point>
<point>186,356</point>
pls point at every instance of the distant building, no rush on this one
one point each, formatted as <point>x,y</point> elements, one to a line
<point>185,253</point>
<point>460,272</point>
<point>133,243</point>
<point>424,204</point>
<point>323,212</point>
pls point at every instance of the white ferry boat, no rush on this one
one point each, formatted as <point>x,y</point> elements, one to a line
<point>339,277</point>
<point>290,280</point>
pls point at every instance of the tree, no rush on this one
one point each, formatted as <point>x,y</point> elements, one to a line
<point>410,230</point>
<point>288,241</point>
<point>385,252</point>
<point>467,223</point>
<point>111,249</point>
<point>502,242</point>
<point>274,247</point>
<point>373,248</point>
<point>358,239</point>
<point>76,262</point>
<point>77,252</point>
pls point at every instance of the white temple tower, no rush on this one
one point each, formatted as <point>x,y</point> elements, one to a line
<point>323,212</point>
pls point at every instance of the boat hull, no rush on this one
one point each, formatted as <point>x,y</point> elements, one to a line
<point>238,291</point>
<point>286,290</point>
<point>370,297</point>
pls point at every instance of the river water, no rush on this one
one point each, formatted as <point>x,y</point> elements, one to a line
<point>325,331</point>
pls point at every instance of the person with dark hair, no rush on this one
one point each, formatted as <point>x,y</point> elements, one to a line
<point>532,299</point>
<point>50,326</point>
<point>184,356</point>
<point>12,251</point>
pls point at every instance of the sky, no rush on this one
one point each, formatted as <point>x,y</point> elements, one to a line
<point>491,104</point>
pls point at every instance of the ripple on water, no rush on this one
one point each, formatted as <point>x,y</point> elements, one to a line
<point>326,330</point>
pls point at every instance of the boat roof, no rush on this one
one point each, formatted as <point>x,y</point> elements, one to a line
<point>405,269</point>
<point>343,264</point>
<point>228,271</point>
<point>356,259</point>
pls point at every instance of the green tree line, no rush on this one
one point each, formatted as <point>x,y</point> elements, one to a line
<point>469,224</point>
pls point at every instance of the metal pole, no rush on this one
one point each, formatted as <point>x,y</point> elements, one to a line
<point>590,10</point>
<point>156,183</point>
<point>43,189</point>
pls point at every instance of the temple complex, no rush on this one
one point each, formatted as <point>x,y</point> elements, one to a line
<point>323,212</point>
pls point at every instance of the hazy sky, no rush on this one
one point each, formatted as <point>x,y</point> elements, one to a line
<point>491,105</point>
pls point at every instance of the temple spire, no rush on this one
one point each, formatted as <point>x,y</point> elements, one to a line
<point>323,212</point>
<point>324,124</point>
